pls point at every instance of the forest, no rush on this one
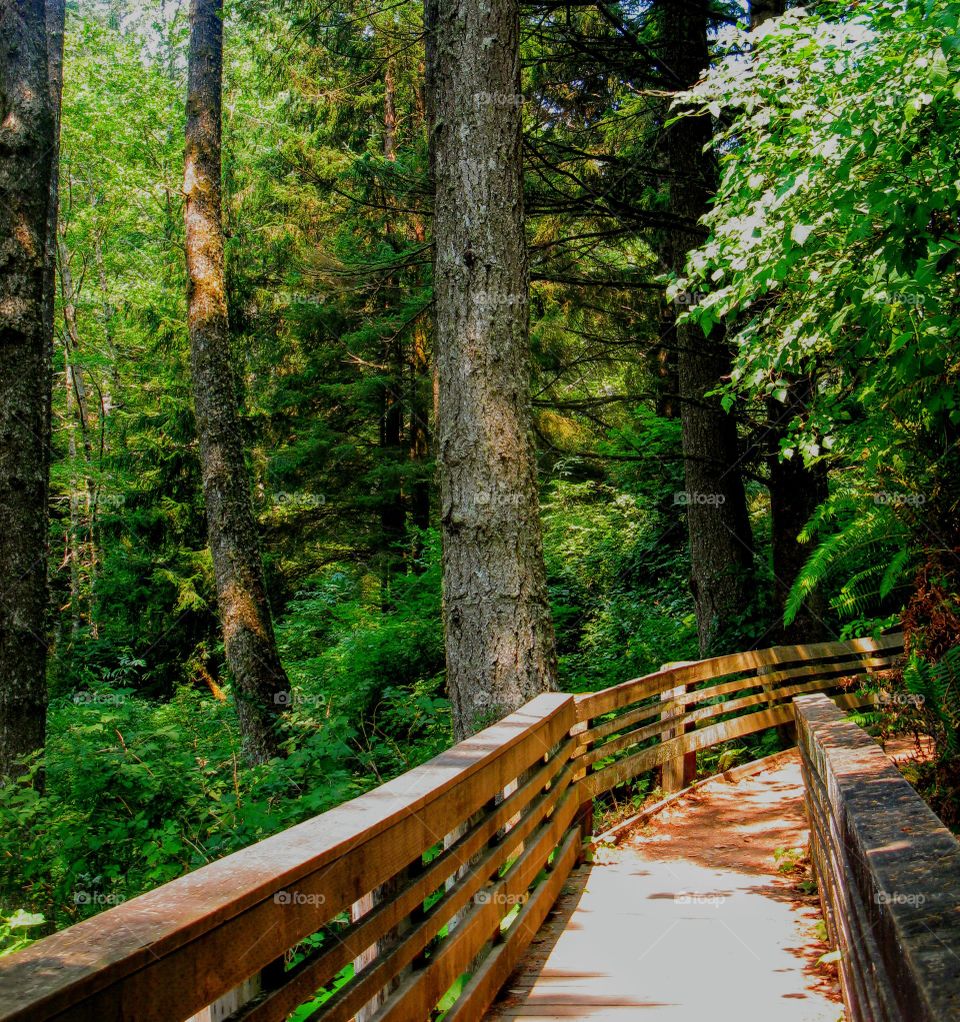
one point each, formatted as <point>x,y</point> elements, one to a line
<point>367,368</point>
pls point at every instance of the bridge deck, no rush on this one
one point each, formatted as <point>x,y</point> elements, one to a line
<point>687,920</point>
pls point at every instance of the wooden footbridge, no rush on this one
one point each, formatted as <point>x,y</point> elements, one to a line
<point>420,899</point>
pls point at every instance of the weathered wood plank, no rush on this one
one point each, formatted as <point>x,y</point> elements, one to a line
<point>616,773</point>
<point>677,772</point>
<point>313,974</point>
<point>495,969</point>
<point>596,704</point>
<point>531,798</point>
<point>669,725</point>
<point>652,710</point>
<point>171,952</point>
<point>419,993</point>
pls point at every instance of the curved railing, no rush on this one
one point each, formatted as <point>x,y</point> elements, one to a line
<point>642,724</point>
<point>421,895</point>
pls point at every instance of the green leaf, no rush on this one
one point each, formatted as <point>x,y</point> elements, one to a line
<point>22,918</point>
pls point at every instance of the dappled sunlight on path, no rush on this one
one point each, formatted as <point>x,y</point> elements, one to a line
<point>687,920</point>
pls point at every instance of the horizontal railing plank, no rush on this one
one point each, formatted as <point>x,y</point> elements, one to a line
<point>651,710</point>
<point>417,995</point>
<point>596,704</point>
<point>669,723</point>
<point>496,968</point>
<point>631,766</point>
<point>173,950</point>
<point>344,1005</point>
<point>530,799</point>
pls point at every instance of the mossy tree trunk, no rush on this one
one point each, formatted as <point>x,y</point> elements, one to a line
<point>260,685</point>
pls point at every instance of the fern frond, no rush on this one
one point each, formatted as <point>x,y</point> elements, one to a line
<point>869,551</point>
<point>895,572</point>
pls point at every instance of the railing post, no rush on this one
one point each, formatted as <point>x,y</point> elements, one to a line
<point>787,732</point>
<point>584,817</point>
<point>679,772</point>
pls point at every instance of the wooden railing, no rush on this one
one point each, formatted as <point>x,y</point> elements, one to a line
<point>424,891</point>
<point>632,728</point>
<point>888,873</point>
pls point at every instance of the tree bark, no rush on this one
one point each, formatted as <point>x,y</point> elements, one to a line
<point>28,162</point>
<point>795,493</point>
<point>78,419</point>
<point>499,634</point>
<point>795,490</point>
<point>260,684</point>
<point>764,10</point>
<point>721,543</point>
<point>421,375</point>
<point>393,512</point>
<point>419,441</point>
<point>56,20</point>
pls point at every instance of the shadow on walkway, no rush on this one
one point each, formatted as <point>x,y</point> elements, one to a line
<point>689,919</point>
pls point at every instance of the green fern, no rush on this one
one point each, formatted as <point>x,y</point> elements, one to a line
<point>937,691</point>
<point>895,571</point>
<point>864,555</point>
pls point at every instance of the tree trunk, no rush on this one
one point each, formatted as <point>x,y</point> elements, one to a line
<point>419,442</point>
<point>29,143</point>
<point>78,418</point>
<point>662,365</point>
<point>764,10</point>
<point>795,490</point>
<point>795,493</point>
<point>499,634</point>
<point>721,544</point>
<point>421,377</point>
<point>393,514</point>
<point>260,684</point>
<point>56,19</point>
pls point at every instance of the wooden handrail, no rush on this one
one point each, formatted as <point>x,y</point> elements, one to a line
<point>170,952</point>
<point>464,855</point>
<point>634,729</point>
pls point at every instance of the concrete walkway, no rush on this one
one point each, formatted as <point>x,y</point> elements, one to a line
<point>688,920</point>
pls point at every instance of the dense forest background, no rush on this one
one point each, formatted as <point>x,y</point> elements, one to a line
<point>825,277</point>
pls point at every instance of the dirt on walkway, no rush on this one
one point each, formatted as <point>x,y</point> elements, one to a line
<point>694,917</point>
